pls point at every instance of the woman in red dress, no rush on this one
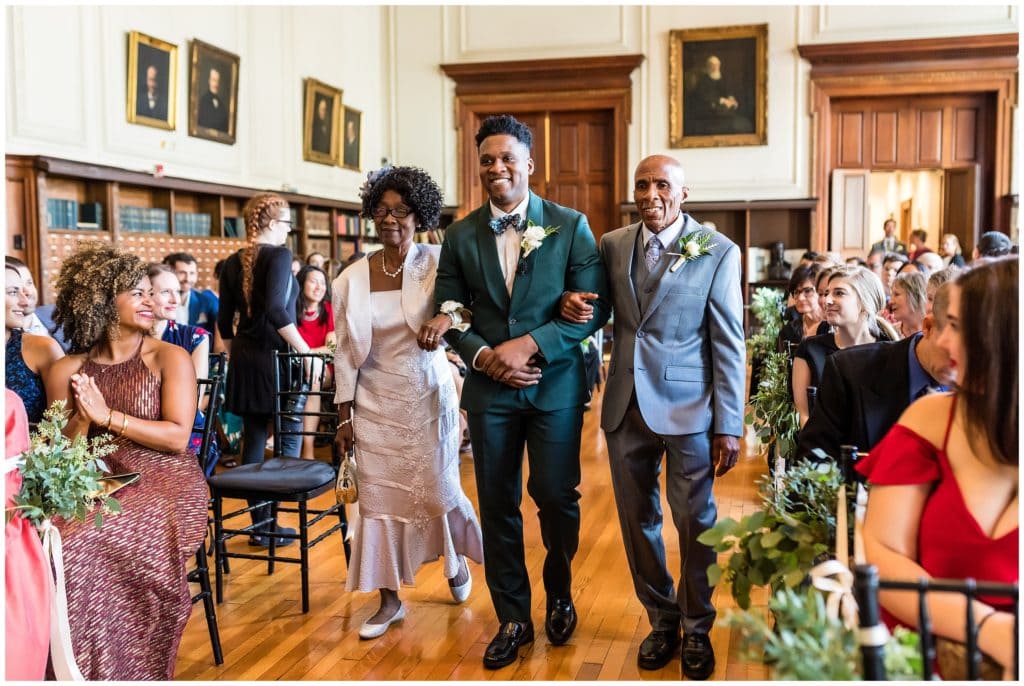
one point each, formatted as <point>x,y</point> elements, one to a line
<point>943,500</point>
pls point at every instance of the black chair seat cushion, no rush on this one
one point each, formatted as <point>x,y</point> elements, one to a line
<point>283,475</point>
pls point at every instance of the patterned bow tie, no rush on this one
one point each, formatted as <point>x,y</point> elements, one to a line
<point>499,224</point>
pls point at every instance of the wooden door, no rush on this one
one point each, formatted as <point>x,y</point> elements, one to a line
<point>961,213</point>
<point>850,234</point>
<point>573,155</point>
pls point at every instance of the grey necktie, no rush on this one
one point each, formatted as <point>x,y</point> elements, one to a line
<point>653,253</point>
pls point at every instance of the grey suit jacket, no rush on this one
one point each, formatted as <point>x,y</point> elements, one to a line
<point>684,355</point>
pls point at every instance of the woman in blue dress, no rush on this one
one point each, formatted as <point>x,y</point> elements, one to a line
<point>194,339</point>
<point>26,356</point>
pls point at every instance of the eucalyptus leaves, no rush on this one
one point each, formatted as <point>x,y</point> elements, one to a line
<point>60,476</point>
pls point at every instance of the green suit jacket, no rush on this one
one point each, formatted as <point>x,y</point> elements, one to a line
<point>469,272</point>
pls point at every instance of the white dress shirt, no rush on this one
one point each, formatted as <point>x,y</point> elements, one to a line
<point>508,242</point>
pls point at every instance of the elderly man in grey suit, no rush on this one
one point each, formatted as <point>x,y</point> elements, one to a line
<point>674,392</point>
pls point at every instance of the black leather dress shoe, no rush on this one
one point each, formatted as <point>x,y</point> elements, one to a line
<point>698,657</point>
<point>560,621</point>
<point>657,649</point>
<point>504,648</point>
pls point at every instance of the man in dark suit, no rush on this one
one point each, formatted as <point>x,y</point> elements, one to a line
<point>509,261</point>
<point>889,243</point>
<point>197,308</point>
<point>321,127</point>
<point>866,388</point>
<point>213,108</point>
<point>151,102</point>
<point>674,395</point>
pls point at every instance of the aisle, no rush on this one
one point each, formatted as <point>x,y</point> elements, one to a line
<point>265,635</point>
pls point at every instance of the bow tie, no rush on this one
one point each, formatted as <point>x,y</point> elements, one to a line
<point>499,224</point>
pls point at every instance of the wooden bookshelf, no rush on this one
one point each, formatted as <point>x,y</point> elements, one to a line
<point>154,216</point>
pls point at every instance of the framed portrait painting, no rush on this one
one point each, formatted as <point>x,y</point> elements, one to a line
<point>352,136</point>
<point>213,93</point>
<point>718,86</point>
<point>322,123</point>
<point>152,81</point>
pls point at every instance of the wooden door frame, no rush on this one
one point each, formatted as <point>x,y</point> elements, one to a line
<point>563,84</point>
<point>965,64</point>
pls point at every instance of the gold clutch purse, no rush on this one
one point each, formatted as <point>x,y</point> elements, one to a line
<point>109,485</point>
<point>346,488</point>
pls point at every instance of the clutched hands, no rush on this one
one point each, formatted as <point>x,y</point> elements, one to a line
<point>512,363</point>
<point>576,307</point>
<point>430,333</point>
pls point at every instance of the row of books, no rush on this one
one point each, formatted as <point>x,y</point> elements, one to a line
<point>144,219</point>
<point>191,224</point>
<point>354,225</point>
<point>69,214</point>
<point>318,223</point>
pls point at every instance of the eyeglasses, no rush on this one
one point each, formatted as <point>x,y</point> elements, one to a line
<point>805,292</point>
<point>396,212</point>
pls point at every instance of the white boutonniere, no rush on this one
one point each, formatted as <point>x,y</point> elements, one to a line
<point>455,311</point>
<point>692,247</point>
<point>534,236</point>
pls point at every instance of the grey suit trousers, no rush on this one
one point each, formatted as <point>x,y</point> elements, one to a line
<point>635,457</point>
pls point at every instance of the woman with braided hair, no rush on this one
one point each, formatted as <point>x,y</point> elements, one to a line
<point>257,284</point>
<point>128,600</point>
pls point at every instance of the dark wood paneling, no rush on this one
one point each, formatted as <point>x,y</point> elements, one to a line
<point>851,139</point>
<point>885,135</point>
<point>965,135</point>
<point>929,136</point>
<point>567,150</point>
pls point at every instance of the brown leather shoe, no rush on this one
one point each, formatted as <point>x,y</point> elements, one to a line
<point>504,648</point>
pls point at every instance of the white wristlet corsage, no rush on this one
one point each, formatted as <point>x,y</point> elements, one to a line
<point>454,310</point>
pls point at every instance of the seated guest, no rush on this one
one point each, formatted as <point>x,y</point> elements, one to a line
<point>27,357</point>
<point>855,261</point>
<point>316,259</point>
<point>128,598</point>
<point>907,304</point>
<point>944,481</point>
<point>194,340</point>
<point>993,244</point>
<point>865,389</point>
<point>918,238</point>
<point>853,300</point>
<point>314,319</point>
<point>929,263</point>
<point>891,265</point>
<point>810,320</point>
<point>935,281</point>
<point>28,583</point>
<point>875,261</point>
<point>196,307</point>
<point>33,324</point>
<point>951,252</point>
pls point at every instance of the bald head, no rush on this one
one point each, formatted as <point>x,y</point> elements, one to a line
<point>659,191</point>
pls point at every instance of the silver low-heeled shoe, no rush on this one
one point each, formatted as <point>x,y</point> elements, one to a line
<point>462,591</point>
<point>368,630</point>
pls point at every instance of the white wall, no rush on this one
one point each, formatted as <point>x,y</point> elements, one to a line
<point>66,82</point>
<point>66,88</point>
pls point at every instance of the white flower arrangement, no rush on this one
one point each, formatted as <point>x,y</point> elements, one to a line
<point>455,311</point>
<point>534,236</point>
<point>692,247</point>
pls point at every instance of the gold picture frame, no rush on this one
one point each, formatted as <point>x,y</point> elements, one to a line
<point>351,138</point>
<point>213,93</point>
<point>322,123</point>
<point>718,86</point>
<point>152,81</point>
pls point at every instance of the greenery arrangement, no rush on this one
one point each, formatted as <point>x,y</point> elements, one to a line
<point>61,476</point>
<point>772,412</point>
<point>777,546</point>
<point>766,304</point>
<point>806,644</point>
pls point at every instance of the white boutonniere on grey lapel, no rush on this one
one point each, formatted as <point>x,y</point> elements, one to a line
<point>534,236</point>
<point>691,247</point>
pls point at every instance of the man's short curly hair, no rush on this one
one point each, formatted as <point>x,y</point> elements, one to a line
<point>507,125</point>
<point>418,191</point>
<point>88,284</point>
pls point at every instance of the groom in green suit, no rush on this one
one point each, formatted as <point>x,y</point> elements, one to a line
<point>508,262</point>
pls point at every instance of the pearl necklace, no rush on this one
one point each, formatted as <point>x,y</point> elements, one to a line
<point>384,266</point>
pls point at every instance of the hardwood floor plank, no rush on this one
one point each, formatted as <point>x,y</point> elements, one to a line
<point>265,636</point>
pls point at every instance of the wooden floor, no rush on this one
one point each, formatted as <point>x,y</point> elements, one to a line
<point>266,636</point>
